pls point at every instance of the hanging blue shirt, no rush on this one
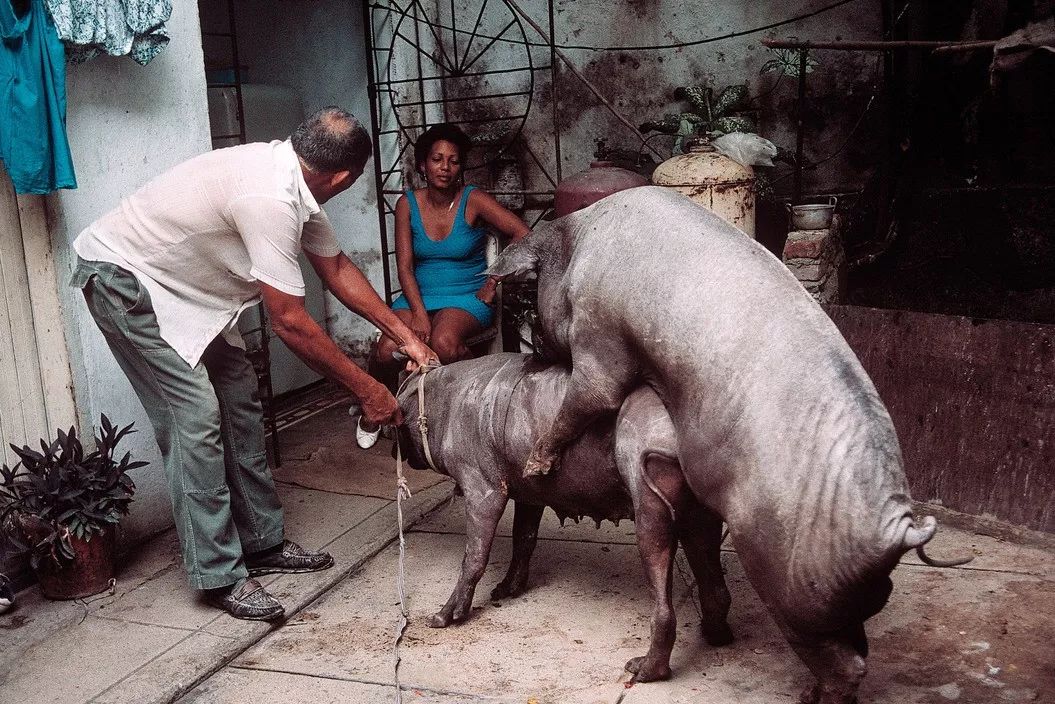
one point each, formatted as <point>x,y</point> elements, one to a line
<point>33,144</point>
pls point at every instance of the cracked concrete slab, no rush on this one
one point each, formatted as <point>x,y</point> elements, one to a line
<point>980,633</point>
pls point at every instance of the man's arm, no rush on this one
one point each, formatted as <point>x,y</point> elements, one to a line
<point>294,326</point>
<point>350,286</point>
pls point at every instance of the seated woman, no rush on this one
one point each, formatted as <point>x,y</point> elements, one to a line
<point>441,236</point>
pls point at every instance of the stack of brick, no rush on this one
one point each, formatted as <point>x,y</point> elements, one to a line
<point>817,259</point>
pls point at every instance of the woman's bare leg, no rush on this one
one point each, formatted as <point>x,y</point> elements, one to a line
<point>451,327</point>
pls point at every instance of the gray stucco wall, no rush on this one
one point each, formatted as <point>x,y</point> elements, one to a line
<point>641,83</point>
<point>320,53</point>
<point>126,123</point>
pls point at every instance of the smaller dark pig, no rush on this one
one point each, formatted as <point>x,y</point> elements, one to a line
<point>483,416</point>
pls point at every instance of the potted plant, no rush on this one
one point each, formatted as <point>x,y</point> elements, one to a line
<point>63,505</point>
<point>709,115</point>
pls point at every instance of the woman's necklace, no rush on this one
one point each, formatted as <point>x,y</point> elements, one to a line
<point>449,207</point>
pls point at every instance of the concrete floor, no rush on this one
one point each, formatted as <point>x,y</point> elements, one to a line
<point>153,639</point>
<point>976,634</point>
<point>983,633</point>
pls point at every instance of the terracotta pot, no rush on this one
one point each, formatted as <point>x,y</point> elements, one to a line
<point>89,573</point>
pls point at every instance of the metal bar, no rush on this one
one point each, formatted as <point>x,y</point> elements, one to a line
<point>217,34</point>
<point>237,69</point>
<point>593,89</point>
<point>463,75</point>
<point>491,43</point>
<point>976,46</point>
<point>454,34</point>
<point>472,37</point>
<point>521,193</point>
<point>554,93</point>
<point>375,125</point>
<point>399,160</point>
<point>531,153</point>
<point>439,43</point>
<point>421,84</point>
<point>937,46</point>
<point>227,136</point>
<point>456,122</point>
<point>416,47</point>
<point>541,215</point>
<point>800,127</point>
<point>462,100</point>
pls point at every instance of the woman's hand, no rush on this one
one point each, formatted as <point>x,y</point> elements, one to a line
<point>421,326</point>
<point>488,291</point>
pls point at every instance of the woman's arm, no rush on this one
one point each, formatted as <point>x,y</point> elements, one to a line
<point>483,205</point>
<point>405,269</point>
<point>504,221</point>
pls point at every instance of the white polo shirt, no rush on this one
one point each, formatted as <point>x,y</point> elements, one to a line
<point>201,236</point>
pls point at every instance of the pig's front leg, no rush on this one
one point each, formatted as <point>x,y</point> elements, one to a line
<point>483,509</point>
<point>601,379</point>
<point>526,520</point>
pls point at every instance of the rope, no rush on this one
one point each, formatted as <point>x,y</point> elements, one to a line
<point>403,492</point>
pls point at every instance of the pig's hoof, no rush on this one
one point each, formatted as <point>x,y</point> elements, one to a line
<point>438,620</point>
<point>718,636</point>
<point>504,591</point>
<point>645,671</point>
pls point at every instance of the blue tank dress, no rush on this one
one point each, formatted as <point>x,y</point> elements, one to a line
<point>449,272</point>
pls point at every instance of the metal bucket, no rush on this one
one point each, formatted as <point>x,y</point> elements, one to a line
<point>813,216</point>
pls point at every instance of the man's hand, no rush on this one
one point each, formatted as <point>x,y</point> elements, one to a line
<point>420,355</point>
<point>421,326</point>
<point>379,406</point>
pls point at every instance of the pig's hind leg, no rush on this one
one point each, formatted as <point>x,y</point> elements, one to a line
<point>483,509</point>
<point>526,520</point>
<point>659,498</point>
<point>601,379</point>
<point>700,532</point>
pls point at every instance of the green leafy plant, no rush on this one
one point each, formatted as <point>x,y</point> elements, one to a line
<point>59,492</point>
<point>787,62</point>
<point>710,115</point>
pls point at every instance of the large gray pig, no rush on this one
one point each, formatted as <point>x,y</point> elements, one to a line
<point>780,431</point>
<point>481,418</point>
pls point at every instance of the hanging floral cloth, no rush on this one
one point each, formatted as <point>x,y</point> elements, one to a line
<point>116,27</point>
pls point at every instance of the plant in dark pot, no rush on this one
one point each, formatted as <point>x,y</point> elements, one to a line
<point>62,505</point>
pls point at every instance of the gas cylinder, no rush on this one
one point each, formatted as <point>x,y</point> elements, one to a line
<point>714,181</point>
<point>589,186</point>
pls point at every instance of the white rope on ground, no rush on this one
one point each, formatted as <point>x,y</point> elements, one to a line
<point>403,492</point>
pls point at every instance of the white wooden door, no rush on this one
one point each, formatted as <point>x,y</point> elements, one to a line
<point>36,391</point>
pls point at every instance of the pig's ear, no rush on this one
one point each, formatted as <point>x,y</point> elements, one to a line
<point>518,259</point>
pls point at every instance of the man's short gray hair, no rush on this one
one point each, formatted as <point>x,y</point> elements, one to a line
<point>332,140</point>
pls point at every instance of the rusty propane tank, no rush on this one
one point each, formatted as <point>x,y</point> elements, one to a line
<point>714,181</point>
<point>589,186</point>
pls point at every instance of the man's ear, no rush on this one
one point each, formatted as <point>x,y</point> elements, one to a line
<point>341,180</point>
<point>518,259</point>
